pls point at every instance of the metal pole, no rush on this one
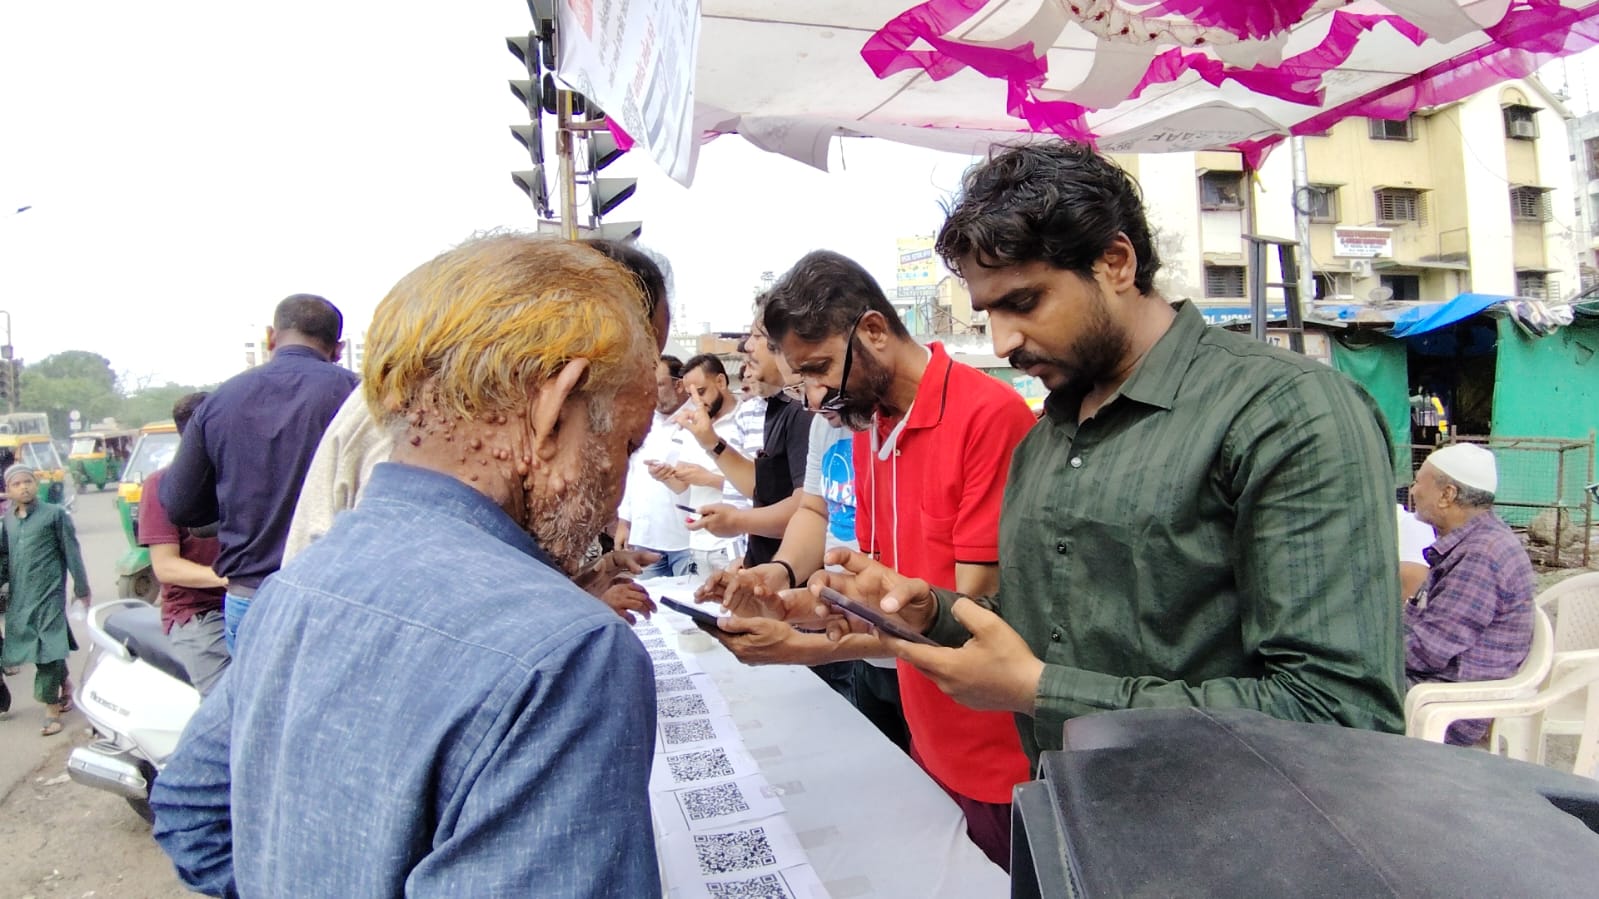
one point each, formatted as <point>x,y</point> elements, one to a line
<point>1307,279</point>
<point>568,170</point>
<point>1587,508</point>
<point>11,364</point>
<point>1560,498</point>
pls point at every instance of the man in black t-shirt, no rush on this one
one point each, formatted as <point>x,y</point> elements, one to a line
<point>775,476</point>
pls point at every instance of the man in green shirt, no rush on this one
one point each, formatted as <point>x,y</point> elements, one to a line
<point>37,549</point>
<point>1199,519</point>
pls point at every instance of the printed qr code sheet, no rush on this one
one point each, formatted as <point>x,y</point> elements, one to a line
<point>673,665</point>
<point>672,771</point>
<point>720,804</point>
<point>694,704</point>
<point>680,684</point>
<point>797,882</point>
<point>681,734</point>
<point>742,855</point>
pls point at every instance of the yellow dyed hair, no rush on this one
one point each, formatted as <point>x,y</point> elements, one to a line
<point>487,319</point>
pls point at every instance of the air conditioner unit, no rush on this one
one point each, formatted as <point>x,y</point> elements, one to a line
<point>1523,129</point>
<point>1360,268</point>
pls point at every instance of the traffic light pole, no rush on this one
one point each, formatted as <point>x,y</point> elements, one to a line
<point>564,151</point>
<point>11,366</point>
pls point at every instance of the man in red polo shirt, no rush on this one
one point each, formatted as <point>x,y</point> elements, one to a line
<point>932,448</point>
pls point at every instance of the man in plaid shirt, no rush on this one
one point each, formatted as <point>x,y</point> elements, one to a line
<point>1472,619</point>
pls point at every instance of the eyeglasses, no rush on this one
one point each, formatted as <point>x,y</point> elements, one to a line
<point>836,399</point>
<point>795,391</point>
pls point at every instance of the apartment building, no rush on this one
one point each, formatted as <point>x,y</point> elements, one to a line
<point>1474,196</point>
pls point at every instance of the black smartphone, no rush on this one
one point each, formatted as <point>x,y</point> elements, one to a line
<point>873,617</point>
<point>704,619</point>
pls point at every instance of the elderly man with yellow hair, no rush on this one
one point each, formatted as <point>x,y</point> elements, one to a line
<point>424,703</point>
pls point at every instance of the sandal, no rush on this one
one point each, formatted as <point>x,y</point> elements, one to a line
<point>52,726</point>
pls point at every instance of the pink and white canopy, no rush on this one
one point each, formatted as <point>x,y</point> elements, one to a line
<point>1131,76</point>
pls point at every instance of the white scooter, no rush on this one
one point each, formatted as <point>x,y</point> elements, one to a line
<point>137,697</point>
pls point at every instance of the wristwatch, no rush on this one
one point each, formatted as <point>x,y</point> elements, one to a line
<point>719,447</point>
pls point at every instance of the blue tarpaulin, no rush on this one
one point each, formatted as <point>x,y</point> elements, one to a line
<point>1422,319</point>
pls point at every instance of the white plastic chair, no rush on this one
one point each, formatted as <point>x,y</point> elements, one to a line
<point>1580,682</point>
<point>1519,735</point>
<point>1575,602</point>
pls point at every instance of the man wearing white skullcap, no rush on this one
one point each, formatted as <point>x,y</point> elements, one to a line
<point>38,549</point>
<point>1472,619</point>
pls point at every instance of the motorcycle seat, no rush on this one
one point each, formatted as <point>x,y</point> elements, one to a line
<point>139,630</point>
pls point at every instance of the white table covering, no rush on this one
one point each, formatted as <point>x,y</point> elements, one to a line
<point>870,820</point>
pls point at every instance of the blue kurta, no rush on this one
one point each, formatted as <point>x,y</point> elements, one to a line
<point>35,556</point>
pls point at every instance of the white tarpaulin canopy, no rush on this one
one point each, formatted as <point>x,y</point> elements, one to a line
<point>1131,76</point>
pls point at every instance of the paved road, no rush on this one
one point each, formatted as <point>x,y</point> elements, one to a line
<point>100,536</point>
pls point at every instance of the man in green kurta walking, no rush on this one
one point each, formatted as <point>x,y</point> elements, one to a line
<point>39,548</point>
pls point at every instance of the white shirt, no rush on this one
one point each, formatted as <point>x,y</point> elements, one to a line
<point>649,506</point>
<point>690,450</point>
<point>1414,536</point>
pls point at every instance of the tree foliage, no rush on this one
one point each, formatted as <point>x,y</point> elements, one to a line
<point>83,381</point>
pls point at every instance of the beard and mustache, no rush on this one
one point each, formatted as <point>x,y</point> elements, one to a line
<point>565,525</point>
<point>872,380</point>
<point>1095,353</point>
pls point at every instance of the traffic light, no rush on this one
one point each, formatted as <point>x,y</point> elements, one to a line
<point>537,94</point>
<point>605,194</point>
<point>582,121</point>
<point>8,393</point>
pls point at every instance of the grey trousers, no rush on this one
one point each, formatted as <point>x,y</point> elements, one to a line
<point>199,644</point>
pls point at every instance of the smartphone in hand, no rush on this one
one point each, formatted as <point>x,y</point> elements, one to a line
<point>873,617</point>
<point>703,619</point>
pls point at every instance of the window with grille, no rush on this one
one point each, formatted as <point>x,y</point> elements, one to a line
<point>1221,190</point>
<point>1397,206</point>
<point>1385,129</point>
<point>1322,200</point>
<point>1529,204</point>
<point>1406,288</point>
<point>1224,280</point>
<point>1521,123</point>
<point>1533,285</point>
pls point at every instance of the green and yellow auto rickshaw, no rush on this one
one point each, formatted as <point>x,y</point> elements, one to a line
<point>99,457</point>
<point>158,444</point>
<point>38,452</point>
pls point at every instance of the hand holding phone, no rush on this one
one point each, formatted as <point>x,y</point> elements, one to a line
<point>703,619</point>
<point>873,617</point>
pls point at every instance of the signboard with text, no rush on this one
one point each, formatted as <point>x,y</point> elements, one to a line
<point>916,275</point>
<point>1363,243</point>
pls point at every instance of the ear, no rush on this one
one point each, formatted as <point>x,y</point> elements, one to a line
<point>272,339</point>
<point>874,330</point>
<point>550,404</point>
<point>1119,264</point>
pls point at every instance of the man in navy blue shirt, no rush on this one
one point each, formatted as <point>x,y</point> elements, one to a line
<point>246,451</point>
<point>501,739</point>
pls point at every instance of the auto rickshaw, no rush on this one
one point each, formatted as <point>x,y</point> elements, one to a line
<point>158,444</point>
<point>38,452</point>
<point>98,457</point>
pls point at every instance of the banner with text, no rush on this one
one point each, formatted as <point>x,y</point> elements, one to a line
<point>635,59</point>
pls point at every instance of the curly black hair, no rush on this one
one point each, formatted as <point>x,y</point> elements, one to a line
<point>1057,202</point>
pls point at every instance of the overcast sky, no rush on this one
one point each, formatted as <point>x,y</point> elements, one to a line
<point>191,163</point>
